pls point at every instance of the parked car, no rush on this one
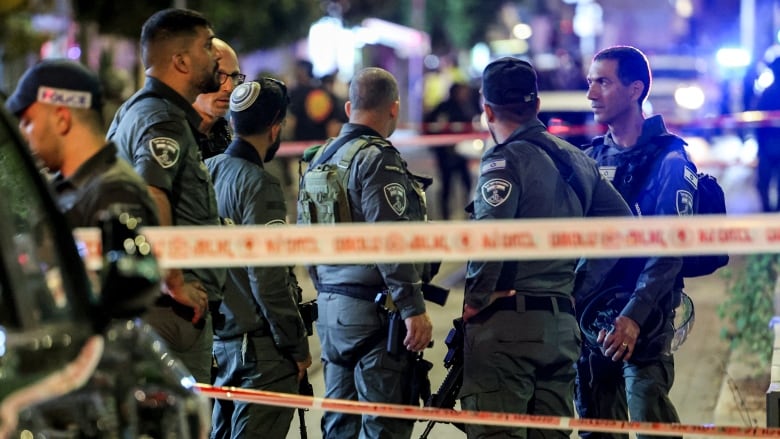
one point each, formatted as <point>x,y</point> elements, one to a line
<point>75,362</point>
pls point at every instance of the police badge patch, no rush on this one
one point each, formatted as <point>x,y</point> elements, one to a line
<point>684,203</point>
<point>396,197</point>
<point>495,191</point>
<point>165,150</point>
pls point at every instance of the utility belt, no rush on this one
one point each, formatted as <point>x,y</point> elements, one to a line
<point>520,303</point>
<point>260,332</point>
<point>361,292</point>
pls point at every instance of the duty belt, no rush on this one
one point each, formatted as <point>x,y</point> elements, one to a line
<point>533,303</point>
<point>354,291</point>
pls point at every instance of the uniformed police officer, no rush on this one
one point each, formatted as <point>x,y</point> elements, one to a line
<point>214,134</point>
<point>263,342</point>
<point>353,330</point>
<point>521,336</point>
<point>154,130</point>
<point>631,369</point>
<point>59,104</point>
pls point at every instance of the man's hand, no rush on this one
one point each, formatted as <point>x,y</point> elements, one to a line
<point>469,311</point>
<point>419,332</point>
<point>190,294</point>
<point>621,341</point>
<point>302,366</point>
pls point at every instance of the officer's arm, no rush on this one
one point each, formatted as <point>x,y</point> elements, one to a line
<point>497,196</point>
<point>273,288</point>
<point>657,279</point>
<point>385,186</point>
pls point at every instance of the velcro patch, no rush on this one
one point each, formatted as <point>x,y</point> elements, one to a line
<point>65,97</point>
<point>396,197</point>
<point>493,165</point>
<point>608,172</point>
<point>495,191</point>
<point>684,201</point>
<point>691,177</point>
<point>165,151</point>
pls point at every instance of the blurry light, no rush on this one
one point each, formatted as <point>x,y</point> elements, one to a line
<point>431,62</point>
<point>480,56</point>
<point>522,31</point>
<point>765,79</point>
<point>748,154</point>
<point>2,341</point>
<point>691,98</point>
<point>509,47</point>
<point>74,52</point>
<point>684,8</point>
<point>733,57</point>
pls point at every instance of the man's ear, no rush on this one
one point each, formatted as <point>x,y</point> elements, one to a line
<point>395,109</point>
<point>489,114</point>
<point>181,62</point>
<point>348,108</point>
<point>64,121</point>
<point>636,89</point>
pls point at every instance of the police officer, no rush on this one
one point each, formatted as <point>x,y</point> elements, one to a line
<point>59,104</point>
<point>263,342</point>
<point>154,130</point>
<point>521,336</point>
<point>214,134</point>
<point>629,368</point>
<point>353,330</point>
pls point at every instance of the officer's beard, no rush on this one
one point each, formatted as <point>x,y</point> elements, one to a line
<point>271,152</point>
<point>210,83</point>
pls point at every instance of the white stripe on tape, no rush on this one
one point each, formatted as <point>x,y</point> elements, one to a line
<point>215,246</point>
<point>472,417</point>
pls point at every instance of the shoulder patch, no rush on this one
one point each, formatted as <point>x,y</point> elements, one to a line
<point>394,168</point>
<point>608,172</point>
<point>493,165</point>
<point>165,151</point>
<point>684,201</point>
<point>691,177</point>
<point>495,191</point>
<point>395,194</point>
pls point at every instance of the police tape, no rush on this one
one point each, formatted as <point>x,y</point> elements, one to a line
<point>495,240</point>
<point>482,418</point>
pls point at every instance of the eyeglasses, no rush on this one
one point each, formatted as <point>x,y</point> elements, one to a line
<point>236,78</point>
<point>285,96</point>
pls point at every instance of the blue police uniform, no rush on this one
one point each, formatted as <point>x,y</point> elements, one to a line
<point>641,386</point>
<point>154,130</point>
<point>519,352</point>
<point>263,335</point>
<point>352,328</point>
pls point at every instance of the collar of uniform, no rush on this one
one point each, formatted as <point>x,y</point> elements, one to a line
<point>652,127</point>
<point>163,90</point>
<point>86,172</point>
<point>349,128</point>
<point>532,126</point>
<point>244,150</point>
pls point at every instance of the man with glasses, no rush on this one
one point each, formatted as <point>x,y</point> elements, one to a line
<point>262,344</point>
<point>214,134</point>
<point>155,131</point>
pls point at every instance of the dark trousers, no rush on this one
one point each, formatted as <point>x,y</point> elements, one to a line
<point>450,164</point>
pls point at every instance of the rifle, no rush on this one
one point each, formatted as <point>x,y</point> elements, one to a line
<point>309,314</point>
<point>448,391</point>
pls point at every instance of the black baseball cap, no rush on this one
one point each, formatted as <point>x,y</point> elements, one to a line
<point>58,82</point>
<point>509,80</point>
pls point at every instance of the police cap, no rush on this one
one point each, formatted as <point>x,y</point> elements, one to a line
<point>58,82</point>
<point>508,81</point>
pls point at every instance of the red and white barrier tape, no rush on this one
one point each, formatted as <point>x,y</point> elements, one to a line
<point>552,238</point>
<point>485,418</point>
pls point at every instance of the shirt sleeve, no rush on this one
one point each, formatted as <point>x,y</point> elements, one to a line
<point>675,187</point>
<point>161,150</point>
<point>274,288</point>
<point>497,196</point>
<point>386,191</point>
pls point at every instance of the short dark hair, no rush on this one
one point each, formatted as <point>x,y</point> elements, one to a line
<point>520,112</point>
<point>372,88</point>
<point>632,65</point>
<point>168,24</point>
